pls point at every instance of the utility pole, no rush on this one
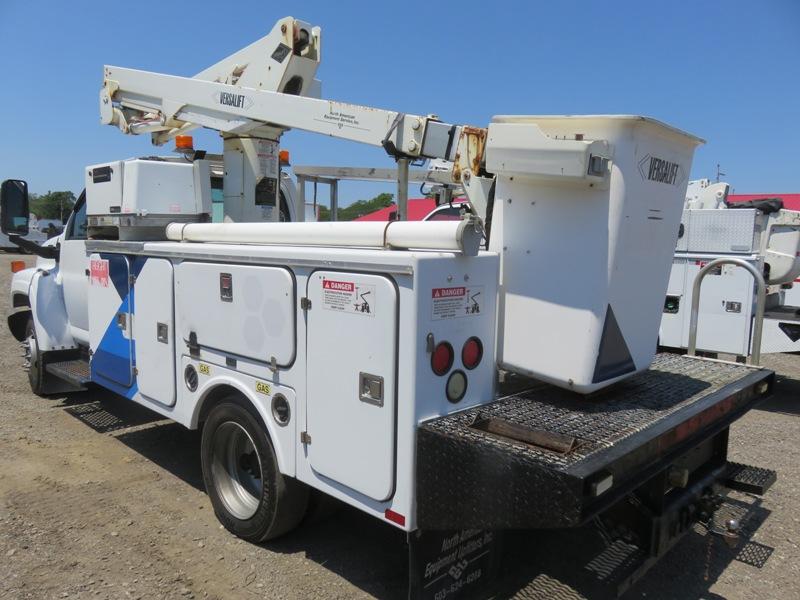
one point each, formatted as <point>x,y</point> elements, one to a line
<point>719,173</point>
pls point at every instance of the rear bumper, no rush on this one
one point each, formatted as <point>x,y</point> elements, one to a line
<point>641,435</point>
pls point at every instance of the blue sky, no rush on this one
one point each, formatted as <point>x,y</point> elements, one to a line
<point>726,70</point>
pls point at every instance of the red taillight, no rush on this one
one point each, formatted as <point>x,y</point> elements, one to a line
<point>472,353</point>
<point>442,358</point>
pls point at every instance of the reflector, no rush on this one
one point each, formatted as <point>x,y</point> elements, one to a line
<point>456,386</point>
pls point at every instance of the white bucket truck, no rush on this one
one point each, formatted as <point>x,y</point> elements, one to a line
<point>361,359</point>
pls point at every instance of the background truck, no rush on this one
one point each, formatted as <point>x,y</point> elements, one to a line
<point>361,360</point>
<point>761,234</point>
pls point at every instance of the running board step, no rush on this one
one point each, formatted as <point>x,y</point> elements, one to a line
<point>749,479</point>
<point>75,371</point>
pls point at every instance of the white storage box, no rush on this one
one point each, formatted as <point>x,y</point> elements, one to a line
<point>139,197</point>
<point>585,256</point>
<point>142,187</point>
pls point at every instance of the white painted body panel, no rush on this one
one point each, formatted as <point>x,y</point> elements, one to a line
<point>420,394</point>
<point>154,306</point>
<point>258,322</point>
<point>72,275</point>
<point>353,440</point>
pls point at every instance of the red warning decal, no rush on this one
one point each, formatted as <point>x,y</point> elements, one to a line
<point>342,286</point>
<point>98,272</point>
<point>349,297</point>
<point>448,292</point>
<point>456,302</point>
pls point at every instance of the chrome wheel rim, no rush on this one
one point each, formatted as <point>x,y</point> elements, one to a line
<point>236,470</point>
<point>31,350</point>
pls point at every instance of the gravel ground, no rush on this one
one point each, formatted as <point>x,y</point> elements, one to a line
<point>100,498</point>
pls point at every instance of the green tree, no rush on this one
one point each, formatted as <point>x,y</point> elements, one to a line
<point>52,205</point>
<point>358,208</point>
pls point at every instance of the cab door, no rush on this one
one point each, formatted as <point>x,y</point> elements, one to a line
<point>74,272</point>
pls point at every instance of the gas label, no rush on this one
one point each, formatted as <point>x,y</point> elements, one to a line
<point>98,272</point>
<point>349,297</point>
<point>203,369</point>
<point>263,388</point>
<point>456,302</point>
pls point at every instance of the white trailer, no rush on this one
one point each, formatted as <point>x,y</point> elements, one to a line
<point>765,237</point>
<point>360,360</point>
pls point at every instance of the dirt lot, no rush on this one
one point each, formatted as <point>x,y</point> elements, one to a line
<point>102,499</point>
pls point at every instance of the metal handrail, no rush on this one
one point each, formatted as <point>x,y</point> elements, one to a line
<point>755,354</point>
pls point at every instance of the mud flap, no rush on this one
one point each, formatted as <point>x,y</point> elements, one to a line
<point>452,563</point>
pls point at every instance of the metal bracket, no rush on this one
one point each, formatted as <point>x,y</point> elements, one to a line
<point>305,303</point>
<point>194,347</point>
<point>370,388</point>
<point>430,343</point>
<point>162,332</point>
<point>305,438</point>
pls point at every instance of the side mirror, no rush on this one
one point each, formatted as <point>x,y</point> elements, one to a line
<point>14,212</point>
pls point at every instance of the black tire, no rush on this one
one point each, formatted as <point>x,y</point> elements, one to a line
<point>35,366</point>
<point>250,496</point>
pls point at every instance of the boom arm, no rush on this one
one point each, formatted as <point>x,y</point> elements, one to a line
<point>266,88</point>
<point>167,104</point>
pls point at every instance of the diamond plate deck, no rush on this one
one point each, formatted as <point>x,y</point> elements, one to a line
<point>753,480</point>
<point>499,482</point>
<point>74,371</point>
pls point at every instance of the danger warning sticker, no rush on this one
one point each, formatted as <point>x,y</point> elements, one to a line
<point>98,272</point>
<point>349,297</point>
<point>455,302</point>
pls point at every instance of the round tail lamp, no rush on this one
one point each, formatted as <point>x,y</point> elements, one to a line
<point>442,358</point>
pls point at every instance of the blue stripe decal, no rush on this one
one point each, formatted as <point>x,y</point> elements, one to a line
<point>112,358</point>
<point>113,361</point>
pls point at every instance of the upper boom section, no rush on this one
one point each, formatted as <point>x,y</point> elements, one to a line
<point>261,91</point>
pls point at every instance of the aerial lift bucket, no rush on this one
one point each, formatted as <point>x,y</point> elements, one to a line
<point>585,260</point>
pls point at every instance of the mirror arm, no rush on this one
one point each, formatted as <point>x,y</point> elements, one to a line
<point>34,248</point>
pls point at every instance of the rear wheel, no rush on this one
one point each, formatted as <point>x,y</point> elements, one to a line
<point>250,496</point>
<point>33,359</point>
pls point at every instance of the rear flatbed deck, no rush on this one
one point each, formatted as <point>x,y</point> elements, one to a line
<point>617,440</point>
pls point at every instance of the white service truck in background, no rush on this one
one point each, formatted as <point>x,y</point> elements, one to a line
<point>361,360</point>
<point>761,233</point>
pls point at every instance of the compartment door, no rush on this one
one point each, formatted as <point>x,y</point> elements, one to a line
<point>352,356</point>
<point>154,331</point>
<point>110,307</point>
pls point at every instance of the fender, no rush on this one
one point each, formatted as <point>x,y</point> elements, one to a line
<point>19,301</point>
<point>282,438</point>
<point>50,313</point>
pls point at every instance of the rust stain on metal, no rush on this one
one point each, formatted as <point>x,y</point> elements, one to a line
<point>473,143</point>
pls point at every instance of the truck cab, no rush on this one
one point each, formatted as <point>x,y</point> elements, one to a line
<point>65,263</point>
